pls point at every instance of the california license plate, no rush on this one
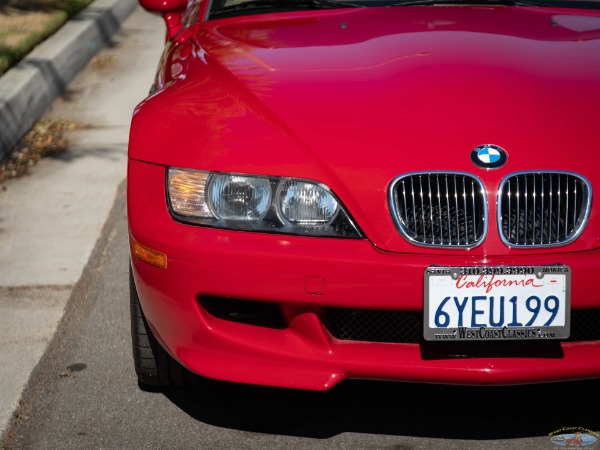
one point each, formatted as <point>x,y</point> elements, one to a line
<point>497,303</point>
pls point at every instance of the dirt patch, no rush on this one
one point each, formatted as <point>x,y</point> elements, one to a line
<point>47,137</point>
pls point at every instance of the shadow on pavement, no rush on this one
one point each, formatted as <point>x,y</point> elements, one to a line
<point>402,409</point>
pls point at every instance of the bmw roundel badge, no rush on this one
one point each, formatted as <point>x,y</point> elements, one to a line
<point>489,156</point>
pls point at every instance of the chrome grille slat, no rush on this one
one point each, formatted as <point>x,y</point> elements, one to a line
<point>439,197</point>
<point>456,212</point>
<point>422,209</point>
<point>518,194</point>
<point>541,215</point>
<point>448,209</point>
<point>525,218</point>
<point>575,202</point>
<point>413,195</point>
<point>551,208</point>
<point>465,219</point>
<point>567,207</point>
<point>430,205</point>
<point>474,208</point>
<point>404,195</point>
<point>509,201</point>
<point>558,211</point>
<point>428,210</point>
<point>534,209</point>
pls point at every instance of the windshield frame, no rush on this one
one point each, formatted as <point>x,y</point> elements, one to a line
<point>214,11</point>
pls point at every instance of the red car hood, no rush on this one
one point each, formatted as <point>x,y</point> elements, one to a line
<point>354,98</point>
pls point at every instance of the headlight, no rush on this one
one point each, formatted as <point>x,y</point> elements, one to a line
<point>248,202</point>
<point>305,203</point>
<point>235,197</point>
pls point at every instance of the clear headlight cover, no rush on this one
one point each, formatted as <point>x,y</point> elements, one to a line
<point>305,203</point>
<point>235,197</point>
<point>257,203</point>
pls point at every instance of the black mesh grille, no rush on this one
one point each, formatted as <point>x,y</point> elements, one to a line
<point>407,326</point>
<point>542,208</point>
<point>585,325</point>
<point>375,325</point>
<point>439,209</point>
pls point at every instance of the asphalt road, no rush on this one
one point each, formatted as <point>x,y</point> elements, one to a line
<point>83,393</point>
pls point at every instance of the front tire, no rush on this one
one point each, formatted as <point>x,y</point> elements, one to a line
<point>154,367</point>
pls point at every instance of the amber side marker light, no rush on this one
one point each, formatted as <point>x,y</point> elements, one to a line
<point>147,254</point>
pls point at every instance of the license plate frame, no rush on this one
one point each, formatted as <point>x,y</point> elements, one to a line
<point>551,282</point>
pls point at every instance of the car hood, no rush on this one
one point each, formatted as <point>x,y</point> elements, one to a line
<point>354,98</point>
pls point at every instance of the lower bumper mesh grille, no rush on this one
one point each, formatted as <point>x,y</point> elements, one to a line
<point>371,325</point>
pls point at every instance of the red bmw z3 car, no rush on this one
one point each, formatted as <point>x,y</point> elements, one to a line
<point>321,190</point>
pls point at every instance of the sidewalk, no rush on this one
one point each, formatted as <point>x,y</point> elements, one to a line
<point>51,218</point>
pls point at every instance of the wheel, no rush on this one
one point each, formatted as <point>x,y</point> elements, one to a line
<point>154,367</point>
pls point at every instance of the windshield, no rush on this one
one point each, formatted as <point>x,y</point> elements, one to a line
<point>231,8</point>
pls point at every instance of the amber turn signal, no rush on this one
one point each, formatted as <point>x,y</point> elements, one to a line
<point>150,256</point>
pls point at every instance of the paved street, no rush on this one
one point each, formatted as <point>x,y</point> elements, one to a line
<point>67,269</point>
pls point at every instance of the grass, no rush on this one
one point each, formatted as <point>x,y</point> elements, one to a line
<point>26,23</point>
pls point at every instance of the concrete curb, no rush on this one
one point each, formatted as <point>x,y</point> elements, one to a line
<point>29,88</point>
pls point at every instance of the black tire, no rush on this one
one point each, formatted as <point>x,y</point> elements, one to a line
<point>154,367</point>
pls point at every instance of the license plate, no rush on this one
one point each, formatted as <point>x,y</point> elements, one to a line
<point>497,303</point>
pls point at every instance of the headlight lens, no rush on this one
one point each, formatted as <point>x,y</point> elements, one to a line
<point>248,202</point>
<point>234,197</point>
<point>305,203</point>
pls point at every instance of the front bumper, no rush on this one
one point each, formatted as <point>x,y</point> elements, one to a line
<point>306,276</point>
